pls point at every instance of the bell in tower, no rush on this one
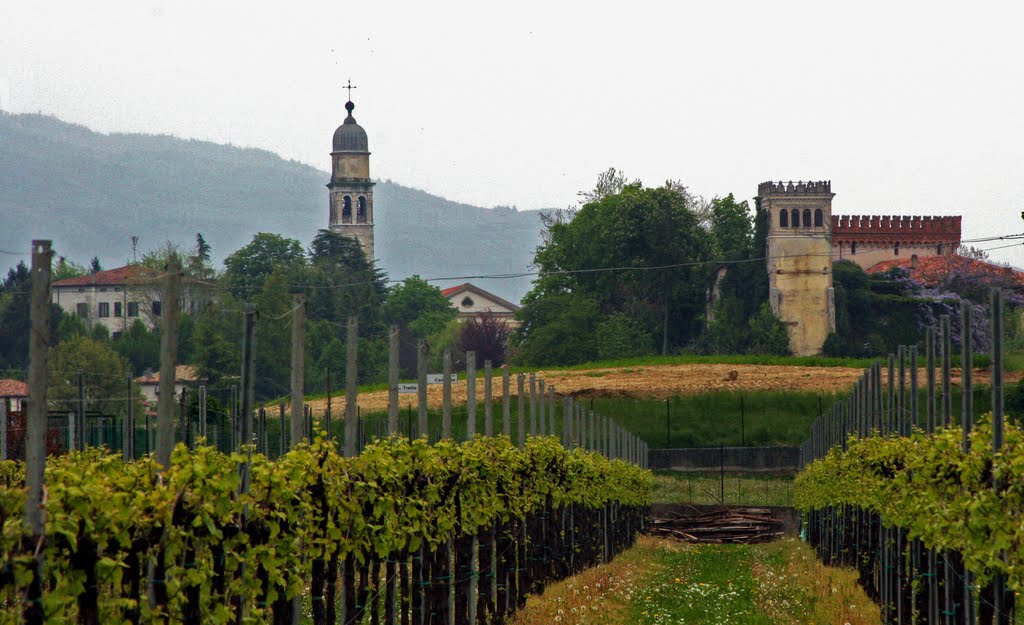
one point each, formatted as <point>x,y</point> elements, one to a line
<point>350,188</point>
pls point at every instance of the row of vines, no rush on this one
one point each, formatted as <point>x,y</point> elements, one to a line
<point>407,532</point>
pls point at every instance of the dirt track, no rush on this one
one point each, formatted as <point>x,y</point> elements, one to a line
<point>656,382</point>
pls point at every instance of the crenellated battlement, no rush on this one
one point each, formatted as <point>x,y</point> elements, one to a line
<point>844,225</point>
<point>800,187</point>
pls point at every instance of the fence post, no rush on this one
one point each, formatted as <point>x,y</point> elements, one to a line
<point>168,360</point>
<point>446,395</point>
<point>470,394</point>
<point>421,389</point>
<point>488,400</point>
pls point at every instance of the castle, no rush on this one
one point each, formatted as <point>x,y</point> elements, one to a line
<point>804,239</point>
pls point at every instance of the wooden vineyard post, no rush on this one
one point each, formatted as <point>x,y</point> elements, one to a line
<point>351,389</point>
<point>1000,612</point>
<point>168,360</point>
<point>446,394</point>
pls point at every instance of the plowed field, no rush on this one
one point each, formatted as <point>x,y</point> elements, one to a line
<point>657,382</point>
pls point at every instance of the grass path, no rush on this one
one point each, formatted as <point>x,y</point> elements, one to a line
<point>662,582</point>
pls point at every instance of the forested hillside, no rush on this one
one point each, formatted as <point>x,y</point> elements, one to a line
<point>90,192</point>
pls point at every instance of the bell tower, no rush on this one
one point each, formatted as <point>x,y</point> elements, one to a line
<point>350,188</point>
<point>799,259</point>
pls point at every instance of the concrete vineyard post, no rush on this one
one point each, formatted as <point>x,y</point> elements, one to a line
<point>470,394</point>
<point>394,338</point>
<point>488,400</point>
<point>351,387</point>
<point>446,394</point>
<point>168,363</point>
<point>506,414</point>
<point>298,371</point>
<point>421,389</point>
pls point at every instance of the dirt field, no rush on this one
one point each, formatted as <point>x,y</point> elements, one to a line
<point>657,382</point>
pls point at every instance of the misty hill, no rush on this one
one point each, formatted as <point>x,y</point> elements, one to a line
<point>90,192</point>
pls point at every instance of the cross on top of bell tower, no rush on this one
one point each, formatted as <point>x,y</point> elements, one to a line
<point>350,87</point>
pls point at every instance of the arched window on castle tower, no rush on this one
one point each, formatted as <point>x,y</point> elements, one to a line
<point>783,218</point>
<point>346,210</point>
<point>361,210</point>
<point>807,218</point>
<point>796,218</point>
<point>819,218</point>
<point>853,248</point>
<point>897,248</point>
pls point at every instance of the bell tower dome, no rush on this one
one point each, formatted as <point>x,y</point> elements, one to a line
<point>350,189</point>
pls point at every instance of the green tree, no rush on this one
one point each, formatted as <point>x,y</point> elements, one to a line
<point>140,347</point>
<point>419,310</point>
<point>65,269</point>
<point>768,333</point>
<point>217,340</point>
<point>556,329</point>
<point>621,336</point>
<point>648,250</point>
<point>104,377</point>
<point>247,268</point>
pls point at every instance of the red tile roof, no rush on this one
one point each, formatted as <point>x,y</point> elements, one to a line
<point>113,277</point>
<point>931,270</point>
<point>13,388</point>
<point>455,289</point>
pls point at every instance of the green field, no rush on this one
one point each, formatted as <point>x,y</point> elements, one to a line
<point>731,489</point>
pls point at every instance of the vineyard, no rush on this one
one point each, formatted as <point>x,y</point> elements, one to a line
<point>404,532</point>
<point>928,511</point>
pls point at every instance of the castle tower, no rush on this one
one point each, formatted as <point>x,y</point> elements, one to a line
<point>351,190</point>
<point>800,260</point>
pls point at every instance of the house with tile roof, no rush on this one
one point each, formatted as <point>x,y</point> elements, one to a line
<point>13,394</point>
<point>149,382</point>
<point>472,301</point>
<point>117,297</point>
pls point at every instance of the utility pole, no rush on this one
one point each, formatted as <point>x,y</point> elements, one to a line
<point>296,427</point>
<point>351,381</point>
<point>248,373</point>
<point>168,364</point>
<point>393,347</point>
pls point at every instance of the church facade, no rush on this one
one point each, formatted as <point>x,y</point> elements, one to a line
<point>804,239</point>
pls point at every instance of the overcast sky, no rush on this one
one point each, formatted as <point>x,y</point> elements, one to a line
<point>909,108</point>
